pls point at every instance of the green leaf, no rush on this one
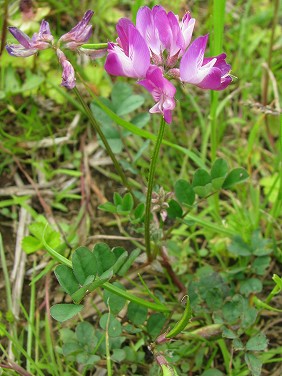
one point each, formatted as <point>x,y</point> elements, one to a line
<point>104,257</point>
<point>139,211</point>
<point>202,183</point>
<point>114,328</point>
<point>84,332</point>
<point>108,207</point>
<point>254,364</point>
<point>117,199</point>
<point>212,372</point>
<point>133,255</point>
<point>120,260</point>
<point>63,312</point>
<point>30,244</point>
<point>66,279</point>
<point>184,192</point>
<point>126,205</point>
<point>232,310</point>
<point>228,333</point>
<point>136,313</point>
<point>236,176</point>
<point>140,120</point>
<point>84,264</point>
<point>248,316</point>
<point>121,91</point>
<point>174,210</point>
<point>130,104</point>
<point>257,343</point>
<point>71,348</point>
<point>87,359</point>
<point>99,281</point>
<point>113,137</point>
<point>118,355</point>
<point>251,285</point>
<point>238,344</point>
<point>218,173</point>
<point>115,302</point>
<point>239,247</point>
<point>155,324</point>
<point>260,264</point>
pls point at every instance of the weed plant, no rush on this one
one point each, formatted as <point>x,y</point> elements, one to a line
<point>137,243</point>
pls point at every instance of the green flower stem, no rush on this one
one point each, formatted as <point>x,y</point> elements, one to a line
<point>132,298</point>
<point>107,285</point>
<point>95,46</point>
<point>98,129</point>
<point>152,171</point>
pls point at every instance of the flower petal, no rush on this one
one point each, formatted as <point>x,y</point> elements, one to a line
<point>68,75</point>
<point>145,24</point>
<point>131,61</point>
<point>21,37</point>
<point>80,33</point>
<point>20,51</point>
<point>44,32</point>
<point>187,26</point>
<point>192,61</point>
<point>161,90</point>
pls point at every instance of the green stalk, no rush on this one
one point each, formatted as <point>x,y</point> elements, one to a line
<point>108,355</point>
<point>216,47</point>
<point>98,129</point>
<point>95,46</point>
<point>6,277</point>
<point>31,323</point>
<point>132,298</point>
<point>152,171</point>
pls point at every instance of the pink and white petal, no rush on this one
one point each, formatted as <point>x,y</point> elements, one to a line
<point>138,52</point>
<point>168,116</point>
<point>220,63</point>
<point>145,24</point>
<point>225,81</point>
<point>18,50</point>
<point>116,62</point>
<point>192,61</point>
<point>21,37</point>
<point>187,28</point>
<point>177,39</point>
<point>211,80</point>
<point>123,33</point>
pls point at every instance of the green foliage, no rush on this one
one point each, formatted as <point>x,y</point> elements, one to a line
<point>33,243</point>
<point>63,312</point>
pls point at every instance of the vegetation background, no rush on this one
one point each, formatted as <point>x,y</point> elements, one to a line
<point>52,164</point>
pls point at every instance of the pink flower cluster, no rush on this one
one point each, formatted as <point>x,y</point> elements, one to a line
<point>159,48</point>
<point>73,40</point>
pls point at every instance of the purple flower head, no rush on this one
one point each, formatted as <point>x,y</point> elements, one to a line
<point>80,33</point>
<point>161,90</point>
<point>206,73</point>
<point>29,46</point>
<point>68,76</point>
<point>131,57</point>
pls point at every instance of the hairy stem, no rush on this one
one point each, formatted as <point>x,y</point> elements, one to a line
<point>98,129</point>
<point>151,177</point>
